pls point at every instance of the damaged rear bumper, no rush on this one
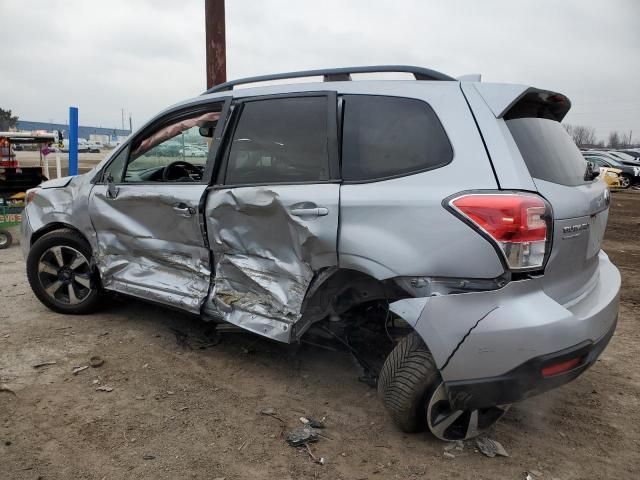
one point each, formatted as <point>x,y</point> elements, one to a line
<point>490,346</point>
<point>526,380</point>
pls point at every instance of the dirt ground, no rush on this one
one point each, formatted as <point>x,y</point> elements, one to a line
<point>181,411</point>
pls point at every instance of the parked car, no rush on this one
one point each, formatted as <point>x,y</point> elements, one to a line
<point>633,153</point>
<point>611,176</point>
<point>94,147</point>
<point>629,175</point>
<point>624,157</point>
<point>460,212</point>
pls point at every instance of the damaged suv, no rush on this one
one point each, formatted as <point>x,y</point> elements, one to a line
<point>459,210</point>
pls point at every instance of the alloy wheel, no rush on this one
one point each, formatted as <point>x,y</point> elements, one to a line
<point>449,424</point>
<point>65,275</point>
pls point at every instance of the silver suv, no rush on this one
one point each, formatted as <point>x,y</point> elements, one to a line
<point>460,210</point>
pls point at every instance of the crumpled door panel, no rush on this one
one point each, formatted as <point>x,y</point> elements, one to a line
<point>146,249</point>
<point>265,256</point>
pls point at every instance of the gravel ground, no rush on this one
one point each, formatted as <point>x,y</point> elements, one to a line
<point>188,409</point>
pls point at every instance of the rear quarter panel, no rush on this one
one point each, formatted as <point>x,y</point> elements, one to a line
<point>398,227</point>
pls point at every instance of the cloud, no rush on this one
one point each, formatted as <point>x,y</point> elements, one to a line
<point>144,55</point>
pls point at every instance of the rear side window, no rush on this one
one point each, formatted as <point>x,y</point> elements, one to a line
<point>390,136</point>
<point>548,151</point>
<point>280,140</point>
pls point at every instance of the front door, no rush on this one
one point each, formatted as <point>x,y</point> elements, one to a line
<point>272,215</point>
<point>147,211</point>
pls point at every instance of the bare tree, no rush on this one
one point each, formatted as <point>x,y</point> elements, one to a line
<point>582,135</point>
<point>614,140</point>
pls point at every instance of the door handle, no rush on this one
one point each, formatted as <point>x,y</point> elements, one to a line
<point>310,212</point>
<point>183,209</point>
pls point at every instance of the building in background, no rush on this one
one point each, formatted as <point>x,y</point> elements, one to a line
<point>105,135</point>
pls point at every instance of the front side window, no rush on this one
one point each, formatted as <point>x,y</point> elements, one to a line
<point>176,152</point>
<point>280,140</point>
<point>390,136</point>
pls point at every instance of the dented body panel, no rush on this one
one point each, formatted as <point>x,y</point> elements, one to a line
<point>266,250</point>
<point>148,248</point>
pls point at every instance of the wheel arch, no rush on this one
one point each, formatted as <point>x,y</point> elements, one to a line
<point>335,290</point>
<point>52,227</point>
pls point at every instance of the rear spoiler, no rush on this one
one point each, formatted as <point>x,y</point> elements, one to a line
<point>519,101</point>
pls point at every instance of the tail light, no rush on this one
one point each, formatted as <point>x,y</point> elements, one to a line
<point>516,223</point>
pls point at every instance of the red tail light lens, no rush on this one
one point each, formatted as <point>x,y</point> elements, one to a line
<point>561,367</point>
<point>515,222</point>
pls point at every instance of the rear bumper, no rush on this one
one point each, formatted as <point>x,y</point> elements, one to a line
<point>490,346</point>
<point>527,379</point>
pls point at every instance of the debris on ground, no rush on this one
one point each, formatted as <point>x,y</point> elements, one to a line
<point>490,447</point>
<point>148,456</point>
<point>535,473</point>
<point>44,364</point>
<point>449,455</point>
<point>312,422</point>
<point>268,411</point>
<point>318,460</point>
<point>301,435</point>
<point>455,445</point>
<point>96,361</point>
<point>77,370</point>
<point>4,388</point>
<point>104,388</point>
<point>527,476</point>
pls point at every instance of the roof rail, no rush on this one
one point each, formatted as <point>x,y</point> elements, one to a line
<point>336,75</point>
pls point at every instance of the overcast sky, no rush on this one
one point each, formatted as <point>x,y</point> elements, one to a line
<point>144,55</point>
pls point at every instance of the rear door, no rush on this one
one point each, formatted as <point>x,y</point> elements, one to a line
<point>272,215</point>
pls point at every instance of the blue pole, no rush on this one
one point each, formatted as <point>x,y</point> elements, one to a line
<point>73,140</point>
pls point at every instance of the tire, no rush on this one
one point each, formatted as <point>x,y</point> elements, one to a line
<point>413,392</point>
<point>407,377</point>
<point>5,239</point>
<point>61,275</point>
<point>625,181</point>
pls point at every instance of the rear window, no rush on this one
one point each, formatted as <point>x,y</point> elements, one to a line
<point>390,136</point>
<point>548,151</point>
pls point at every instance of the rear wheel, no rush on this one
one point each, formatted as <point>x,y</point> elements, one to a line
<point>61,275</point>
<point>625,181</point>
<point>412,390</point>
<point>5,239</point>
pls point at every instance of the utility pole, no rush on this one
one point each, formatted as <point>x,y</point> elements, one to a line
<point>122,111</point>
<point>216,46</point>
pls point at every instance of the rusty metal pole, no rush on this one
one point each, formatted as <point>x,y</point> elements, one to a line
<point>216,42</point>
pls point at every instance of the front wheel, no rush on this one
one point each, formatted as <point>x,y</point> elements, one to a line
<point>5,239</point>
<point>61,275</point>
<point>412,390</point>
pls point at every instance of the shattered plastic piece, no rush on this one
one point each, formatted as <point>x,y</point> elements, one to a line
<point>77,370</point>
<point>490,447</point>
<point>268,411</point>
<point>148,456</point>
<point>535,473</point>
<point>449,455</point>
<point>457,445</point>
<point>104,388</point>
<point>528,476</point>
<point>96,361</point>
<point>299,436</point>
<point>313,423</point>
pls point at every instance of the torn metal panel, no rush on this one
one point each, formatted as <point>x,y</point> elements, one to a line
<point>265,255</point>
<point>155,253</point>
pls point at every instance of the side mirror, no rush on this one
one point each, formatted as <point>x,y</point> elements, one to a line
<point>112,190</point>
<point>206,132</point>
